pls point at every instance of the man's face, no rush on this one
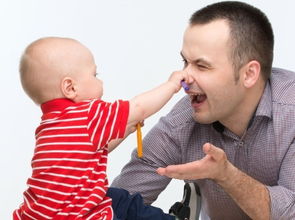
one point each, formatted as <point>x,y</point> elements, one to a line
<point>215,94</point>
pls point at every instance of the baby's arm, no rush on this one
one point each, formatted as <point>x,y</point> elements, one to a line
<point>144,105</point>
<point>148,103</point>
<point>114,143</point>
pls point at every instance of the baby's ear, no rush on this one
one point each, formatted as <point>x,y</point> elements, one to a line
<point>68,88</point>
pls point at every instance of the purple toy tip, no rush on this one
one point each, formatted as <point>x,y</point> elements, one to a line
<point>185,86</point>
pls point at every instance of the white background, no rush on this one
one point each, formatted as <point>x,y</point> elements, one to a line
<point>136,45</point>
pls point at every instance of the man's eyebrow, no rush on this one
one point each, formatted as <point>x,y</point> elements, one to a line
<point>198,61</point>
<point>203,62</point>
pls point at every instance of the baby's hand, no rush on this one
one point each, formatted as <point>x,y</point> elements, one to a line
<point>178,76</point>
<point>132,128</point>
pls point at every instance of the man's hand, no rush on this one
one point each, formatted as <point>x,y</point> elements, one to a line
<point>237,184</point>
<point>213,166</point>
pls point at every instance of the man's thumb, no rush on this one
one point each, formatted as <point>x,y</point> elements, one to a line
<point>212,151</point>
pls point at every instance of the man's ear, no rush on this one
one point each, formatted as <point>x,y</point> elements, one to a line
<point>68,88</point>
<point>252,73</point>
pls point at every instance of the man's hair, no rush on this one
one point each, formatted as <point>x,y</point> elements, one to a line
<point>251,34</point>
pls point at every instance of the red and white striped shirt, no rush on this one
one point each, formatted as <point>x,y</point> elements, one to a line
<point>69,164</point>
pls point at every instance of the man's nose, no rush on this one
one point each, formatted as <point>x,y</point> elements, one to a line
<point>193,73</point>
<point>189,70</point>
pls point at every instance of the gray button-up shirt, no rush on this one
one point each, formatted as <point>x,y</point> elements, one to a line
<point>266,152</point>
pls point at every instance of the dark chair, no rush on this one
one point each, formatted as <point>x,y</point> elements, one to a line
<point>189,207</point>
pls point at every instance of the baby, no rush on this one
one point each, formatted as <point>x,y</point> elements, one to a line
<point>76,132</point>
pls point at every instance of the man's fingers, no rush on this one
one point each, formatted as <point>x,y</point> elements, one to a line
<point>215,152</point>
<point>208,167</point>
<point>171,171</point>
<point>161,171</point>
<point>181,171</point>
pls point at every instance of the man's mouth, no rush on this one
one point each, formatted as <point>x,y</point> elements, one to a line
<point>198,98</point>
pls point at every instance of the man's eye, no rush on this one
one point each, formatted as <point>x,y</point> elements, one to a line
<point>202,67</point>
<point>184,62</point>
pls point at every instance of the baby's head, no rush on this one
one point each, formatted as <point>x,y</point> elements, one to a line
<point>54,67</point>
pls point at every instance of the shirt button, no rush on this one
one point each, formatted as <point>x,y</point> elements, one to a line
<point>241,144</point>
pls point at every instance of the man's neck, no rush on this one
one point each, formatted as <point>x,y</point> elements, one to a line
<point>240,121</point>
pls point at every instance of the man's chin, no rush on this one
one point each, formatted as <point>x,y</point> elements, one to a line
<point>202,120</point>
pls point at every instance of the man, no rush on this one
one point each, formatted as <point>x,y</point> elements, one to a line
<point>233,134</point>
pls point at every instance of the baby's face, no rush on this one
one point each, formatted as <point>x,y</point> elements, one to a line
<point>87,84</point>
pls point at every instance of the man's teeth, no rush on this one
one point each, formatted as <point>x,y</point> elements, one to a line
<point>198,97</point>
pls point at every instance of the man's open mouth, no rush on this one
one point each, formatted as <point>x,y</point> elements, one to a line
<point>198,98</point>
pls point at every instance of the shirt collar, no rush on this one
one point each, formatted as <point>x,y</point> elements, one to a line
<point>264,107</point>
<point>56,105</point>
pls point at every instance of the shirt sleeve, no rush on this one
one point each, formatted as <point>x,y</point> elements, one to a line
<point>282,196</point>
<point>107,121</point>
<point>160,149</point>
